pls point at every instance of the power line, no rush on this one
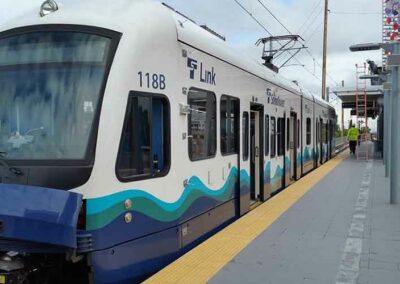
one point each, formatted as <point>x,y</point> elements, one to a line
<point>355,13</point>
<point>309,71</point>
<point>264,28</point>
<point>254,18</point>
<point>317,28</point>
<point>312,22</point>
<point>309,16</point>
<point>319,64</point>
<point>309,53</point>
<point>272,14</point>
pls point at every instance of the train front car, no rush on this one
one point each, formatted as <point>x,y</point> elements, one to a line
<point>62,108</point>
<point>113,160</point>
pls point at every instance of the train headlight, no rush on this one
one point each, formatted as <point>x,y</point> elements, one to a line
<point>128,204</point>
<point>128,218</point>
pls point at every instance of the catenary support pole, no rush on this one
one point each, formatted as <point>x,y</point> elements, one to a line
<point>325,51</point>
<point>385,121</point>
<point>395,132</point>
<point>386,126</point>
<point>343,138</point>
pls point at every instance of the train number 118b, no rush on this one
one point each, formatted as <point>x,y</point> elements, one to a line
<point>152,81</point>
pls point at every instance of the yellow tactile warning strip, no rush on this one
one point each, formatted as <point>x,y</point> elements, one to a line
<point>203,262</point>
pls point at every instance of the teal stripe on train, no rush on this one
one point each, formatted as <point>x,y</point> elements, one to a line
<point>298,158</point>
<point>288,164</point>
<point>244,182</point>
<point>102,211</point>
<point>307,155</point>
<point>276,179</point>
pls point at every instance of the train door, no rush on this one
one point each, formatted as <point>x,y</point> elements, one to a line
<point>230,138</point>
<point>244,175</point>
<point>330,139</point>
<point>256,153</point>
<point>316,152</point>
<point>327,141</point>
<point>329,135</point>
<point>321,141</point>
<point>292,146</point>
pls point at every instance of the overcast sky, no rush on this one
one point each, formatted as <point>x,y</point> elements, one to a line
<point>304,17</point>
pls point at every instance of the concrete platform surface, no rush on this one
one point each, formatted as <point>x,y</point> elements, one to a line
<point>335,225</point>
<point>342,231</point>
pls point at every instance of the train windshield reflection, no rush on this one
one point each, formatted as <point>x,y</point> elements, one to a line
<point>50,85</point>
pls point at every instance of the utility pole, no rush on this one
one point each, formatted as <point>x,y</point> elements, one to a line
<point>324,97</point>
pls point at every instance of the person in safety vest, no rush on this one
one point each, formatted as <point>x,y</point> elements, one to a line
<point>352,137</point>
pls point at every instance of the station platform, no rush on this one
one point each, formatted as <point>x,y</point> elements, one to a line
<point>335,225</point>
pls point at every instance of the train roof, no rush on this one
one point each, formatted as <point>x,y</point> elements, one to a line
<point>322,102</point>
<point>196,36</point>
<point>120,15</point>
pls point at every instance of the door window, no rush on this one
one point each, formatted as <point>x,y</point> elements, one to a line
<point>246,134</point>
<point>229,125</point>
<point>273,137</point>
<point>267,135</point>
<point>145,144</point>
<point>202,124</point>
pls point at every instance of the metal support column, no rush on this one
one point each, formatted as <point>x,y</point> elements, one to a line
<point>386,126</point>
<point>343,137</point>
<point>395,132</point>
<point>325,50</point>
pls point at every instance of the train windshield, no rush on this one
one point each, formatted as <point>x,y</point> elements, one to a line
<point>50,85</point>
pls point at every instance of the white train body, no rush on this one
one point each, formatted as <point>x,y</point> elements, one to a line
<point>171,162</point>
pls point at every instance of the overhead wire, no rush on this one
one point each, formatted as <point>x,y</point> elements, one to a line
<point>319,64</point>
<point>312,22</point>
<point>313,33</point>
<point>310,15</point>
<point>254,18</point>
<point>308,51</point>
<point>355,13</point>
<point>264,28</point>
<point>272,14</point>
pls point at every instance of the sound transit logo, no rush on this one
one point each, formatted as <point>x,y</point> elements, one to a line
<point>273,99</point>
<point>206,76</point>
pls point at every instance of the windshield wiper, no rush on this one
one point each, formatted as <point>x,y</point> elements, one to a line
<point>13,170</point>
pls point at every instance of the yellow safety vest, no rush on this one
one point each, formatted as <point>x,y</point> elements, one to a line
<point>352,135</point>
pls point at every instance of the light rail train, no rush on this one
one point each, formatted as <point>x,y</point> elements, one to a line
<point>129,134</point>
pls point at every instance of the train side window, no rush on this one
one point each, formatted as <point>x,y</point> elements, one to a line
<point>267,135</point>
<point>325,132</point>
<point>298,134</point>
<point>145,144</point>
<point>308,131</point>
<point>273,137</point>
<point>202,124</point>
<point>281,136</point>
<point>229,125</point>
<point>245,133</point>
<point>287,134</point>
